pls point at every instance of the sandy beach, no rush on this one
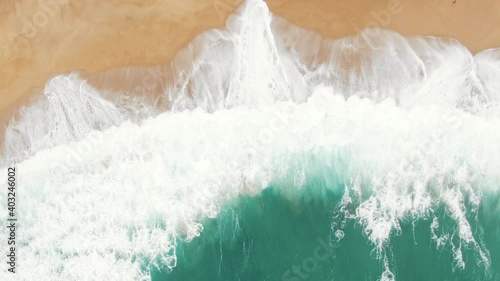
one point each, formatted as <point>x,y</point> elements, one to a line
<point>47,37</point>
<point>228,140</point>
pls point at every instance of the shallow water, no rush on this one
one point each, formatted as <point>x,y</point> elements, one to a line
<point>271,237</point>
<point>267,143</point>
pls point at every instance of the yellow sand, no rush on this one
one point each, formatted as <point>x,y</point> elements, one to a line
<point>48,37</point>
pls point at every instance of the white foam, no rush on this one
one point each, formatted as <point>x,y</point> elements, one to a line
<point>129,191</point>
<point>259,59</point>
<point>419,130</point>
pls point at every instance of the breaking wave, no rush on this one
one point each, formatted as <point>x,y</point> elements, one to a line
<point>374,143</point>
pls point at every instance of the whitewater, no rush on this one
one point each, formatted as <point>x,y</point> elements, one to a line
<point>383,147</point>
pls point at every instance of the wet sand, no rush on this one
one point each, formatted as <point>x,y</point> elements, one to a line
<point>47,37</point>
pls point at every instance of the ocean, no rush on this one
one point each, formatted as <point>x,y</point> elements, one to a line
<point>271,154</point>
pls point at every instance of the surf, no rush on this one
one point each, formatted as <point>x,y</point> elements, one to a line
<point>390,140</point>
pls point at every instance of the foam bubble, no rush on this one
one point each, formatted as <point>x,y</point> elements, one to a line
<point>405,124</point>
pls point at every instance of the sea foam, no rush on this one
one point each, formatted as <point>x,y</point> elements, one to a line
<point>406,124</point>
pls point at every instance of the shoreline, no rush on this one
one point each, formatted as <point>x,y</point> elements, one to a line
<point>95,37</point>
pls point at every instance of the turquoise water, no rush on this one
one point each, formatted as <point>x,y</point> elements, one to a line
<point>273,237</point>
<point>267,155</point>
